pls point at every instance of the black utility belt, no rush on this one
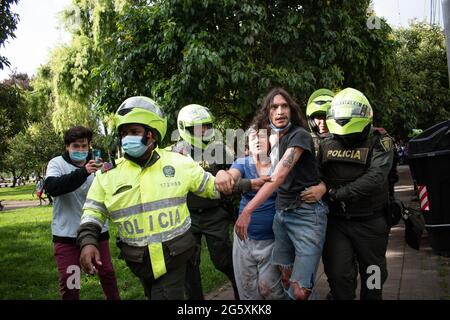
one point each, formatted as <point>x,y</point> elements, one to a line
<point>201,210</point>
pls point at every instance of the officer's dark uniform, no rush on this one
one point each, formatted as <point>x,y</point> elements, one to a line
<point>357,222</point>
<point>317,138</point>
<point>212,219</point>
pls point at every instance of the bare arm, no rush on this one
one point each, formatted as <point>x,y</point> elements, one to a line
<point>230,182</point>
<point>282,170</point>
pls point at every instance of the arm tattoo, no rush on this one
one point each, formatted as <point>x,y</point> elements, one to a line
<point>289,159</point>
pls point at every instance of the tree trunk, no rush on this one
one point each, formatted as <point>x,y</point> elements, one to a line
<point>14,179</point>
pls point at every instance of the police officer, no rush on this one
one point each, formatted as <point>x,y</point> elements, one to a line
<point>355,161</point>
<point>145,196</point>
<point>316,113</point>
<point>210,217</point>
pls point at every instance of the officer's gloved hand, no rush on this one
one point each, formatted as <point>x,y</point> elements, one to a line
<point>332,194</point>
<point>332,197</point>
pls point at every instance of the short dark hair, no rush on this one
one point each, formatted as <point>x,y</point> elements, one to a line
<point>261,120</point>
<point>77,132</point>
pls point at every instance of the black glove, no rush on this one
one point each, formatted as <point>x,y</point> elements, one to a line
<point>332,194</point>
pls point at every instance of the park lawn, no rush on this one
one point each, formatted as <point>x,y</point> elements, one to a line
<point>18,193</point>
<point>28,269</point>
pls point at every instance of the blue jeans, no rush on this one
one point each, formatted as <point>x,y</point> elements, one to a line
<point>299,239</point>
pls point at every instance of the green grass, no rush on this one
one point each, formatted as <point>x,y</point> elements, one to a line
<point>28,269</point>
<point>18,193</point>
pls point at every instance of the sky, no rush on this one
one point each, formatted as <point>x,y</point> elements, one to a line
<point>39,29</point>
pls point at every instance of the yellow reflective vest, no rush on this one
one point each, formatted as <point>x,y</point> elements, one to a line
<point>148,204</point>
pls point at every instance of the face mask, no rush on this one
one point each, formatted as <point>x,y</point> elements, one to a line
<point>78,156</point>
<point>272,126</point>
<point>133,146</point>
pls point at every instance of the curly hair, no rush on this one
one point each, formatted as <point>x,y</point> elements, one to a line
<point>261,120</point>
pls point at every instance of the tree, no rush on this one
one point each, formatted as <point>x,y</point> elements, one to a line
<point>13,112</point>
<point>228,54</point>
<point>75,80</point>
<point>422,98</point>
<point>8,23</point>
<point>30,150</point>
<point>16,160</point>
<point>72,88</point>
<point>40,100</point>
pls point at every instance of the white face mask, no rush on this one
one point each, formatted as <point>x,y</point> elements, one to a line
<point>272,126</point>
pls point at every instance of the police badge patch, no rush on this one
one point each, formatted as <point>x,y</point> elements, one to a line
<point>169,171</point>
<point>386,142</point>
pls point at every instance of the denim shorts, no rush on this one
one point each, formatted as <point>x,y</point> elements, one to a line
<point>299,239</point>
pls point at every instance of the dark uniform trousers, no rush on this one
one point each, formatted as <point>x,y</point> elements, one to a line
<point>166,287</point>
<point>214,224</point>
<point>367,241</point>
<point>169,286</point>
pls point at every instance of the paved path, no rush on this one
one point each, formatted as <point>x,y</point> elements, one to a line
<point>413,275</point>
<point>11,205</point>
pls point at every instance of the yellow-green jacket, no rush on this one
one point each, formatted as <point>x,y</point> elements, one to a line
<point>148,204</point>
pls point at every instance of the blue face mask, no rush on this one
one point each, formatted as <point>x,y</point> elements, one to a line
<point>133,146</point>
<point>78,156</point>
<point>275,129</point>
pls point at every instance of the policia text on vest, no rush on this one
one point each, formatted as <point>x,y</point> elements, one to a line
<point>162,219</point>
<point>358,155</point>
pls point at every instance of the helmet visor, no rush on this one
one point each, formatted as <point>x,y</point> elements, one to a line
<point>139,102</point>
<point>205,131</point>
<point>349,109</point>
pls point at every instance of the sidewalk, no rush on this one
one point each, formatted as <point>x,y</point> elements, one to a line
<point>413,275</point>
<point>13,204</point>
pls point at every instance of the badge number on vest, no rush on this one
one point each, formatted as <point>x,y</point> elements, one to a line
<point>358,155</point>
